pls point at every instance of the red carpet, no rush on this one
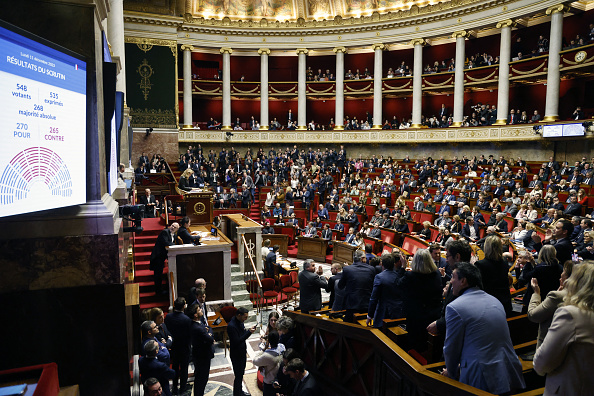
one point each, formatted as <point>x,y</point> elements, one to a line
<point>143,245</point>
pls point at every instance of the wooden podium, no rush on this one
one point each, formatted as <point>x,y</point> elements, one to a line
<point>312,248</point>
<point>199,207</point>
<point>343,253</point>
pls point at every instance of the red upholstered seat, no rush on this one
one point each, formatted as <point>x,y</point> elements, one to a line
<point>268,291</point>
<point>294,279</point>
<point>228,312</point>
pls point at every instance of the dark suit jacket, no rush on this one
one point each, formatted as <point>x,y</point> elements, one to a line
<point>270,263</point>
<point>202,342</point>
<point>564,249</point>
<point>186,237</point>
<point>386,300</point>
<point>184,184</point>
<point>151,367</point>
<point>310,285</point>
<point>327,234</point>
<point>237,337</point>
<point>495,281</point>
<point>307,387</point>
<point>179,325</point>
<point>466,231</point>
<point>357,279</point>
<point>159,253</point>
<point>375,233</point>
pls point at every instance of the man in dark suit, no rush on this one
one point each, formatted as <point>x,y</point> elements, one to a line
<point>350,237</point>
<point>500,223</point>
<point>306,383</point>
<point>336,270</point>
<point>339,226</point>
<point>202,348</point>
<point>386,300</point>
<point>151,367</point>
<point>558,236</point>
<point>238,349</point>
<point>149,202</point>
<point>353,219</point>
<point>327,232</point>
<point>311,283</point>
<point>159,254</point>
<point>375,232</point>
<point>179,324</point>
<point>470,231</point>
<point>574,208</point>
<point>184,234</point>
<point>357,280</point>
<point>271,262</point>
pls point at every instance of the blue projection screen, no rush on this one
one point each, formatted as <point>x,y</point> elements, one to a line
<point>43,129</point>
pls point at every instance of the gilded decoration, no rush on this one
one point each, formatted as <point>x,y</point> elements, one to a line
<point>386,16</point>
<point>143,118</point>
<point>146,71</point>
<point>245,8</point>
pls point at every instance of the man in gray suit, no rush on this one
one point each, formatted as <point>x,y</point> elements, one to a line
<point>478,348</point>
<point>310,284</point>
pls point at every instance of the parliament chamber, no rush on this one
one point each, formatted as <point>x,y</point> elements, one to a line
<point>335,105</point>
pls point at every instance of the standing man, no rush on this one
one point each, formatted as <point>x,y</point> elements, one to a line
<point>558,236</point>
<point>386,300</point>
<point>149,202</point>
<point>478,348</point>
<point>159,254</point>
<point>179,325</point>
<point>202,348</point>
<point>310,283</point>
<point>357,280</point>
<point>306,383</point>
<point>151,367</point>
<point>237,337</point>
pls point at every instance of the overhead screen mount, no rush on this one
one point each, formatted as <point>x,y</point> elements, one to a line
<point>43,133</point>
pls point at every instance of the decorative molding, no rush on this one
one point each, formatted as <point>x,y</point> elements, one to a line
<point>226,50</point>
<point>339,49</point>
<point>379,46</point>
<point>145,44</point>
<point>262,51</point>
<point>187,47</point>
<point>506,23</point>
<point>302,51</point>
<point>460,33</point>
<point>495,133</point>
<point>418,41</point>
<point>562,8</point>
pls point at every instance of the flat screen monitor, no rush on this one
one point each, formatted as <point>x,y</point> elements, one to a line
<point>573,130</point>
<point>43,129</point>
<point>549,131</point>
<point>563,130</point>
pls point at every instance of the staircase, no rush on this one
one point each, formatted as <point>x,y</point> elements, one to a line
<point>240,295</point>
<point>255,208</point>
<point>143,246</point>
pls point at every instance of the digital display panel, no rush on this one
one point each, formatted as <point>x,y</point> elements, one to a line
<point>43,129</point>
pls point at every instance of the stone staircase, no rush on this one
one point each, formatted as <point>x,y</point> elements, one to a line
<point>240,296</point>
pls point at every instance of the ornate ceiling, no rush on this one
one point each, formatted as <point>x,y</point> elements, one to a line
<point>278,10</point>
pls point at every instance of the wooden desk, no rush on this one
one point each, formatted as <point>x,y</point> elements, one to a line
<point>312,248</point>
<point>282,240</point>
<point>236,225</point>
<point>211,260</point>
<point>343,253</point>
<point>220,328</point>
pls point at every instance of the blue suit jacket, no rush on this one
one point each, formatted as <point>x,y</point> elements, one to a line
<point>357,279</point>
<point>478,341</point>
<point>151,367</point>
<point>386,300</point>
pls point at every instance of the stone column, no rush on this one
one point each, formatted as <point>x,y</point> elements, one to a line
<point>503,82</point>
<point>115,34</point>
<point>552,98</point>
<point>417,105</point>
<point>264,118</point>
<point>226,89</point>
<point>460,36</point>
<point>187,85</point>
<point>339,104</point>
<point>301,90</point>
<point>377,85</point>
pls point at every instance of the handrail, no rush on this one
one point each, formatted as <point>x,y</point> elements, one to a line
<point>172,286</point>
<point>252,261</point>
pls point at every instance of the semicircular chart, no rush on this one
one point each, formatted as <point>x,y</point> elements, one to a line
<point>34,171</point>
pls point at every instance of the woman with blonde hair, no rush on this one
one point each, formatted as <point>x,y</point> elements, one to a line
<point>425,233</point>
<point>494,272</point>
<point>582,197</point>
<point>422,297</point>
<point>184,180</point>
<point>566,355</point>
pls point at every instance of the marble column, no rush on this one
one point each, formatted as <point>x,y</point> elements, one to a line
<point>417,105</point>
<point>226,89</point>
<point>460,37</point>
<point>553,74</point>
<point>301,90</point>
<point>339,104</point>
<point>264,118</point>
<point>503,82</point>
<point>115,34</point>
<point>377,85</point>
<point>187,85</point>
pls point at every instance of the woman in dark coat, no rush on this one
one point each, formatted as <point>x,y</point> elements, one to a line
<point>494,272</point>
